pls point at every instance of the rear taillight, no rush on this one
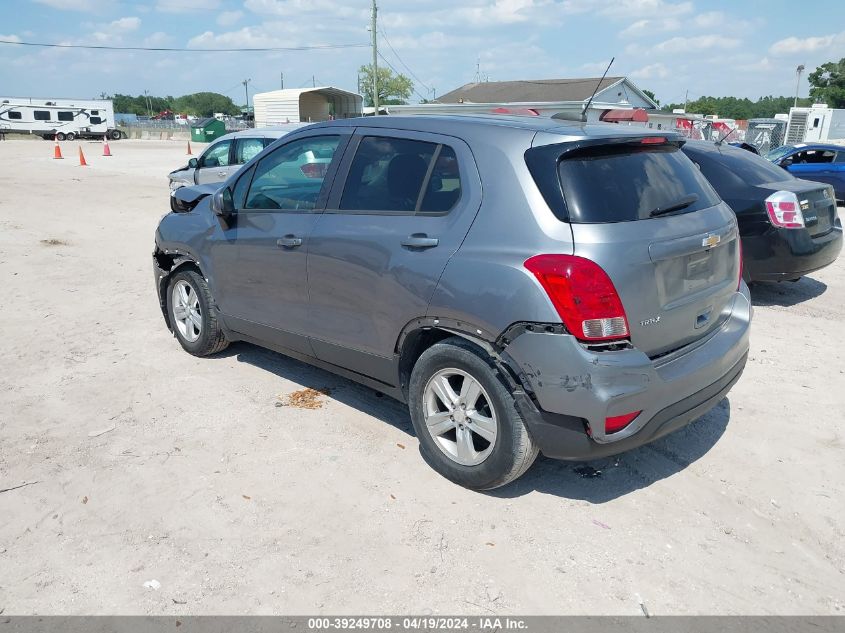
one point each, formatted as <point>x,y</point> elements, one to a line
<point>784,210</point>
<point>313,170</point>
<point>619,422</point>
<point>583,296</point>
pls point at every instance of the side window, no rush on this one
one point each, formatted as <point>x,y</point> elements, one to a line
<point>95,112</point>
<point>246,149</point>
<point>443,189</point>
<point>15,116</point>
<point>95,120</point>
<point>217,156</point>
<point>42,115</point>
<point>241,187</point>
<point>401,176</point>
<point>65,116</point>
<point>291,176</point>
<point>840,156</point>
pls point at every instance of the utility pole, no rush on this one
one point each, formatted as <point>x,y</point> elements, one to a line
<point>686,101</point>
<point>313,82</point>
<point>246,92</point>
<point>282,79</point>
<point>375,59</point>
<point>149,107</point>
<point>798,71</point>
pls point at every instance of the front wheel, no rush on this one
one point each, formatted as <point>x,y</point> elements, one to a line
<point>70,136</point>
<point>60,136</point>
<point>192,314</point>
<point>466,419</point>
<point>115,135</point>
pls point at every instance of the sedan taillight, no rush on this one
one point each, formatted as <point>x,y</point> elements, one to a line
<point>784,210</point>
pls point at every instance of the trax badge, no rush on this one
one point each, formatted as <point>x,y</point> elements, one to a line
<point>651,321</point>
<point>711,240</point>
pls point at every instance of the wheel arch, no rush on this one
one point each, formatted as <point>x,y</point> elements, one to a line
<point>168,263</point>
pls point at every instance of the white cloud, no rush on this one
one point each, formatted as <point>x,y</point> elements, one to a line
<point>186,6</point>
<point>792,45</point>
<point>649,27</point>
<point>652,71</point>
<point>71,5</point>
<point>295,8</point>
<point>228,18</point>
<point>125,25</point>
<point>629,9</point>
<point>10,38</point>
<point>697,43</point>
<point>159,38</point>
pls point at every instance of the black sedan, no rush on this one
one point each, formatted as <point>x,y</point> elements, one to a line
<point>789,227</point>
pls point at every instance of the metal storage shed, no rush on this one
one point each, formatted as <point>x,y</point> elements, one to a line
<point>207,130</point>
<point>305,105</point>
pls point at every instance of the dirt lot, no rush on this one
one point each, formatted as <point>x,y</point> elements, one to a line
<point>139,462</point>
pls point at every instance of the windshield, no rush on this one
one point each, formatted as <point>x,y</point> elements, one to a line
<point>736,166</point>
<point>626,182</point>
<point>780,152</point>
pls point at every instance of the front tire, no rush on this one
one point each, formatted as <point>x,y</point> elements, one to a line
<point>60,136</point>
<point>115,135</point>
<point>466,419</point>
<point>193,317</point>
<point>70,136</point>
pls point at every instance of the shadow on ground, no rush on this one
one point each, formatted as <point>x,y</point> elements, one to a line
<point>345,391</point>
<point>596,482</point>
<point>786,293</point>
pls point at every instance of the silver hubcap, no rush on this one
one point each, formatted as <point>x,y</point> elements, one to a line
<point>186,311</point>
<point>460,416</point>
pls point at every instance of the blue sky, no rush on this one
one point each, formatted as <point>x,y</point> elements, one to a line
<point>743,48</point>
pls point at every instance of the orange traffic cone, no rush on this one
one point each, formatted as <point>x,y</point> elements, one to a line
<point>82,162</point>
<point>106,150</point>
<point>189,149</point>
<point>57,151</point>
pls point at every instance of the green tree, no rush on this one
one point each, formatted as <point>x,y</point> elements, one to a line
<point>651,95</point>
<point>392,89</point>
<point>828,83</point>
<point>205,104</point>
<point>734,108</point>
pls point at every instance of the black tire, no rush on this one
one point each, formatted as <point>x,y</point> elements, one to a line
<point>60,136</point>
<point>116,135</point>
<point>211,339</point>
<point>513,451</point>
<point>70,136</point>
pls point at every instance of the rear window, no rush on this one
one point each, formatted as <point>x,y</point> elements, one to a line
<point>736,168</point>
<point>624,182</point>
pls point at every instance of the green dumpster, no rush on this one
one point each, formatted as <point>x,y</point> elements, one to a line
<point>207,130</point>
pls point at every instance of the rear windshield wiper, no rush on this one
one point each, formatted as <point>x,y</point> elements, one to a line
<point>681,203</point>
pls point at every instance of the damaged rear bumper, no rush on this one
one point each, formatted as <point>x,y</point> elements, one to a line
<point>574,389</point>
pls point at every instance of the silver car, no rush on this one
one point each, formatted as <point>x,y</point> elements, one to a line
<point>227,155</point>
<point>526,285</point>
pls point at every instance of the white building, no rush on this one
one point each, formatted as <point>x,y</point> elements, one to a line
<point>816,124</point>
<point>305,105</point>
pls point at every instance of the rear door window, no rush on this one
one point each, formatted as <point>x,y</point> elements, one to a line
<point>404,176</point>
<point>247,148</point>
<point>626,182</point>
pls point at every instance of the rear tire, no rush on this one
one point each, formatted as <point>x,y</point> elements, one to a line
<point>192,315</point>
<point>115,135</point>
<point>60,136</point>
<point>479,439</point>
<point>70,136</point>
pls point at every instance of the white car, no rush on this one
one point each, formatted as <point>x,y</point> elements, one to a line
<point>227,155</point>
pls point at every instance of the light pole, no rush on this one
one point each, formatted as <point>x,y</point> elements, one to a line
<point>798,72</point>
<point>375,58</point>
<point>246,92</point>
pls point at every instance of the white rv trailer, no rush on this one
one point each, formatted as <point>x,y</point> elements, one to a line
<point>59,118</point>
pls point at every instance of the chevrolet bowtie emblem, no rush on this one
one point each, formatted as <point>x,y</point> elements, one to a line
<point>710,241</point>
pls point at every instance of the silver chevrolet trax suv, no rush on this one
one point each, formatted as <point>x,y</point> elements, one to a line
<point>524,284</point>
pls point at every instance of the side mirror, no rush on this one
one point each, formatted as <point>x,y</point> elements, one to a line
<point>222,203</point>
<point>192,164</point>
<point>787,162</point>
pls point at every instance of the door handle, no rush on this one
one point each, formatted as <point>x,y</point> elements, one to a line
<point>420,240</point>
<point>289,241</point>
<point>221,173</point>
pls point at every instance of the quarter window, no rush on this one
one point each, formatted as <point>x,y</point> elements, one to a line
<point>291,176</point>
<point>42,115</point>
<point>65,116</point>
<point>217,156</point>
<point>15,116</point>
<point>392,175</point>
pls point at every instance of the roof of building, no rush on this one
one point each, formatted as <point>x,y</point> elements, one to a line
<point>529,91</point>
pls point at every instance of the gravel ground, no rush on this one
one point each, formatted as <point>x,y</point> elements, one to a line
<point>133,462</point>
